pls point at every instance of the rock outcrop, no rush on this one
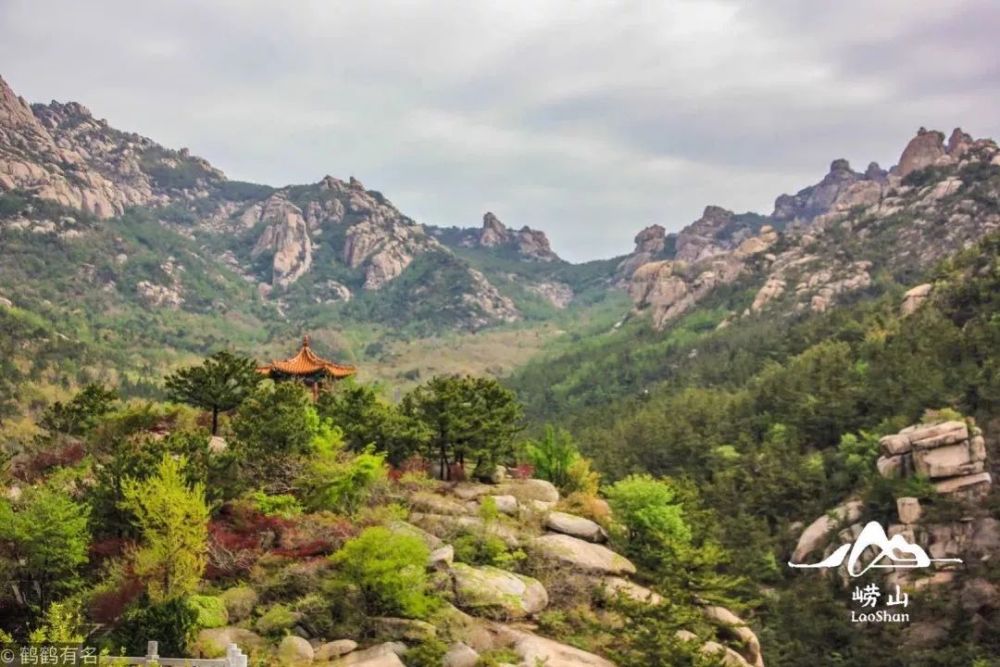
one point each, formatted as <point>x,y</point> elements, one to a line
<point>949,453</point>
<point>924,150</point>
<point>668,288</point>
<point>834,235</point>
<point>286,239</point>
<point>816,200</point>
<point>490,591</point>
<point>530,244</point>
<point>60,152</point>
<point>582,555</point>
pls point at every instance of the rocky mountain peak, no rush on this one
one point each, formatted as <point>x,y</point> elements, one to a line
<point>14,110</point>
<point>529,243</point>
<point>875,172</point>
<point>958,143</point>
<point>494,232</point>
<point>652,239</point>
<point>922,151</point>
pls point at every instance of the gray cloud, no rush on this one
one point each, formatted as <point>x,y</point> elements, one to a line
<point>589,120</point>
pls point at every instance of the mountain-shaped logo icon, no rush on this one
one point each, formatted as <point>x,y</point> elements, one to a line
<point>901,553</point>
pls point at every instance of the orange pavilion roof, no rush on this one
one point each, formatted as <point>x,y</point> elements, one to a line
<point>307,362</point>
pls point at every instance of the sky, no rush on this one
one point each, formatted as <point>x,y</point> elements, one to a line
<point>588,120</point>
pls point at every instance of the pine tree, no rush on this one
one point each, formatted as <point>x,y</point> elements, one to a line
<point>220,384</point>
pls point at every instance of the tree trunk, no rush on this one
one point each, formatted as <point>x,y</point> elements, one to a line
<point>215,421</point>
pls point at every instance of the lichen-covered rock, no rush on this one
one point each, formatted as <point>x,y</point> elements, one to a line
<point>491,591</point>
<point>576,526</point>
<point>433,542</point>
<point>441,558</point>
<point>295,651</point>
<point>460,655</point>
<point>816,534</point>
<point>581,555</point>
<point>630,589</point>
<point>335,649</point>
<point>535,650</point>
<point>433,503</point>
<point>381,655</point>
<point>529,489</point>
<point>407,629</point>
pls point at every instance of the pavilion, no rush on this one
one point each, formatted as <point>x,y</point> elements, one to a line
<point>308,368</point>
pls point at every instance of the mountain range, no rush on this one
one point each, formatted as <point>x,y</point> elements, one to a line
<point>156,245</point>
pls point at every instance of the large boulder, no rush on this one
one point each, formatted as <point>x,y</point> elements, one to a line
<point>460,655</point>
<point>915,298</point>
<point>404,528</point>
<point>441,558</point>
<point>381,655</point>
<point>968,484</point>
<point>582,555</point>
<point>433,503</point>
<point>630,589</point>
<point>497,592</point>
<point>295,651</point>
<point>335,649</point>
<point>506,504</point>
<point>908,509</point>
<point>535,650</point>
<point>815,535</point>
<point>446,525</point>
<point>398,629</point>
<point>739,629</point>
<point>576,526</point>
<point>529,489</point>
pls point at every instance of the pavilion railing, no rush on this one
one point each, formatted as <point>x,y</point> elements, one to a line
<point>234,658</point>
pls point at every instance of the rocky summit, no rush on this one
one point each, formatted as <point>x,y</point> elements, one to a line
<point>340,238</point>
<point>831,238</point>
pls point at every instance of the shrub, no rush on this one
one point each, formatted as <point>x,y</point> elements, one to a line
<point>389,569</point>
<point>429,653</point>
<point>172,623</point>
<point>649,522</point>
<point>481,548</point>
<point>281,505</point>
<point>211,610</point>
<point>552,455</point>
<point>340,482</point>
<point>239,602</point>
<point>276,620</point>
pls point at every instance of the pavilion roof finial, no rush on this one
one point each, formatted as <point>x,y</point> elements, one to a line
<point>305,340</point>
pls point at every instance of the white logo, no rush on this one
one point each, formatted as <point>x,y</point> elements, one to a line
<point>873,535</point>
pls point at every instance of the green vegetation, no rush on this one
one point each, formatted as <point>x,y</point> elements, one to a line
<point>172,518</point>
<point>388,569</point>
<point>219,385</point>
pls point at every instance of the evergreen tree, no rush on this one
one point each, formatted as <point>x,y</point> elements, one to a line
<point>46,538</point>
<point>466,417</point>
<point>173,519</point>
<point>220,384</point>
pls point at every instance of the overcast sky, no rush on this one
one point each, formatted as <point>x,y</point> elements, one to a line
<point>589,120</point>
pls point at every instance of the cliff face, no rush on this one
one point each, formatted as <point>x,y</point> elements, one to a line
<point>833,235</point>
<point>64,154</point>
